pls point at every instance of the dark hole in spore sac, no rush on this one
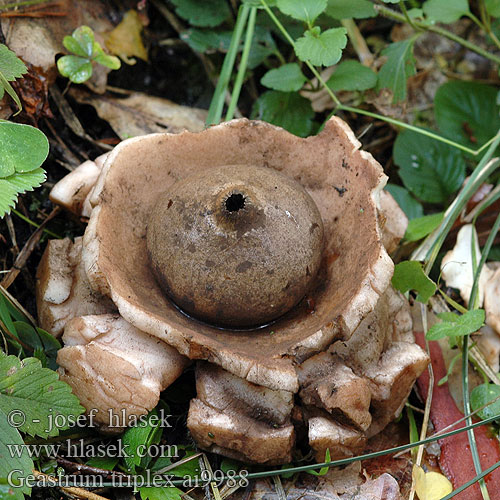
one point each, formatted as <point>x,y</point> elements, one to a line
<point>235,202</point>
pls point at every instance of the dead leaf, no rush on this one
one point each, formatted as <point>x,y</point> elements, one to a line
<point>492,301</point>
<point>141,114</point>
<point>430,485</point>
<point>125,40</point>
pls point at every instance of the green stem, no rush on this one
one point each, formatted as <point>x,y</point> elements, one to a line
<point>472,481</point>
<point>243,64</point>
<point>34,224</point>
<point>386,12</point>
<point>217,104</point>
<point>410,21</point>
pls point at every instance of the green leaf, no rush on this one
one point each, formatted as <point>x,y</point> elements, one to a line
<point>23,148</point>
<point>8,197</point>
<point>72,45</point>
<point>410,206</point>
<point>106,463</point>
<point>352,75</point>
<point>5,86</point>
<point>430,169</point>
<point>324,470</point>
<point>204,40</point>
<point>409,275</point>
<point>446,11</point>
<point>321,48</point>
<point>287,78</point>
<point>467,112</point>
<point>111,62</point>
<point>350,9</point>
<point>37,395</point>
<point>11,67</point>
<point>77,69</point>
<point>400,65</point>
<point>422,226</point>
<point>84,37</point>
<point>263,45</point>
<point>169,493</point>
<point>302,11</point>
<point>454,325</point>
<point>139,438</point>
<point>203,13</point>
<point>483,394</point>
<point>10,461</point>
<point>493,7</point>
<point>16,184</point>
<point>285,109</point>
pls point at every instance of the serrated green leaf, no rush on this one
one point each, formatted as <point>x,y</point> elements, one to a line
<point>38,394</point>
<point>493,7</point>
<point>302,11</point>
<point>169,493</point>
<point>410,206</point>
<point>467,112</point>
<point>203,13</point>
<point>446,11</point>
<point>350,9</point>
<point>483,394</point>
<point>111,62</point>
<point>77,69</point>
<point>5,86</point>
<point>409,275</point>
<point>84,37</point>
<point>455,325</point>
<point>287,78</point>
<point>352,75</point>
<point>11,461</point>
<point>8,197</point>
<point>285,109</point>
<point>430,169</point>
<point>422,226</point>
<point>23,148</point>
<point>321,48</point>
<point>27,181</point>
<point>11,66</point>
<point>400,65</point>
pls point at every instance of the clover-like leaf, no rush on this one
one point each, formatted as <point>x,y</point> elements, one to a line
<point>77,69</point>
<point>400,65</point>
<point>321,48</point>
<point>84,37</point>
<point>286,78</point>
<point>302,11</point>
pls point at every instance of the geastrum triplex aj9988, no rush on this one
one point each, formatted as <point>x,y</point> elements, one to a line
<point>258,255</point>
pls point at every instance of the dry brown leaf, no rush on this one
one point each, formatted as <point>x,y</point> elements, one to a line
<point>125,40</point>
<point>141,114</point>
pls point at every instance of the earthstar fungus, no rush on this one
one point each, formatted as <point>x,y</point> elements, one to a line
<point>329,349</point>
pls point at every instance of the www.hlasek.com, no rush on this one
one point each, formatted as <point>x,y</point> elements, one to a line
<point>230,478</point>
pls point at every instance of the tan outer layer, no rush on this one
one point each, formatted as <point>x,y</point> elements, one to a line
<point>343,181</point>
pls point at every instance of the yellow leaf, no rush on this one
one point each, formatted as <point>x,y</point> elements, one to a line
<point>125,40</point>
<point>430,485</point>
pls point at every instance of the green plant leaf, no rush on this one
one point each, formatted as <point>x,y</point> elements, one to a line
<point>446,11</point>
<point>203,13</point>
<point>111,62</point>
<point>106,463</point>
<point>8,197</point>
<point>430,169</point>
<point>400,65</point>
<point>205,40</point>
<point>483,394</point>
<point>84,38</point>
<point>350,9</point>
<point>467,112</point>
<point>287,78</point>
<point>9,461</point>
<point>324,470</point>
<point>72,45</point>
<point>263,45</point>
<point>302,11</point>
<point>410,206</point>
<point>352,75</point>
<point>321,48</point>
<point>11,67</point>
<point>493,7</point>
<point>409,275</point>
<point>23,148</point>
<point>422,226</point>
<point>76,68</point>
<point>455,325</point>
<point>146,433</point>
<point>285,109</point>
<point>169,493</point>
<point>38,394</point>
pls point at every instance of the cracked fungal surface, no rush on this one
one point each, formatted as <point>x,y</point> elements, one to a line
<point>338,359</point>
